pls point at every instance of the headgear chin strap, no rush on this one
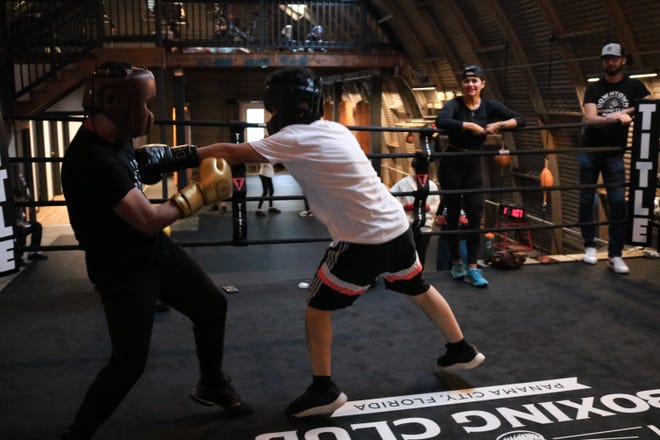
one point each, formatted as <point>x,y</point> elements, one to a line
<point>120,92</point>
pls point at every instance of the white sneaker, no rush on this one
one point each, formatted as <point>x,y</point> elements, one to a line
<point>617,265</point>
<point>590,256</point>
<point>304,213</point>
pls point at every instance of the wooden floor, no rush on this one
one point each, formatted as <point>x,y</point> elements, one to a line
<point>53,215</point>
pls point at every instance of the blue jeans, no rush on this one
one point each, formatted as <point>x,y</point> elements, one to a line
<point>612,168</point>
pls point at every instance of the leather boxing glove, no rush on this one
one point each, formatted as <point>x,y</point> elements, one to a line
<point>155,159</point>
<point>214,185</point>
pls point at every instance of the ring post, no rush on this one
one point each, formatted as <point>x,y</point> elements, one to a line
<point>239,192</point>
<point>422,160</point>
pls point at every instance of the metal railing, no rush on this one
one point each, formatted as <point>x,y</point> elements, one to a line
<point>255,25</point>
<point>40,38</point>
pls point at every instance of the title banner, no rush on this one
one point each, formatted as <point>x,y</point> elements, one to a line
<point>643,172</point>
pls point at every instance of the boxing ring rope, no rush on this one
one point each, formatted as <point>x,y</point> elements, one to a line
<point>426,155</point>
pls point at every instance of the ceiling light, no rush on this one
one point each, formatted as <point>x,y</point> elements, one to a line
<point>645,75</point>
<point>424,87</point>
<point>642,74</point>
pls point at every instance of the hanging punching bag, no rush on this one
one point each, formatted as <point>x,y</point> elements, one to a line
<point>546,181</point>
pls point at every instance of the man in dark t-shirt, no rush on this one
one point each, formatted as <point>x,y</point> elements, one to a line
<point>130,260</point>
<point>611,98</point>
<point>96,176</point>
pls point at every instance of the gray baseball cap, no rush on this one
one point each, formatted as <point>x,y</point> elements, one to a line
<point>613,49</point>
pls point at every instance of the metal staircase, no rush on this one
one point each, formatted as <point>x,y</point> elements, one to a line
<point>47,47</point>
<point>60,85</point>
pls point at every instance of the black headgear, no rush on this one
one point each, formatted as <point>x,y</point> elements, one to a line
<point>296,95</point>
<point>120,92</point>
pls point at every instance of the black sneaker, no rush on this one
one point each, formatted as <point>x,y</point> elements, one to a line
<point>224,395</point>
<point>37,256</point>
<point>274,210</point>
<point>463,358</point>
<point>317,401</point>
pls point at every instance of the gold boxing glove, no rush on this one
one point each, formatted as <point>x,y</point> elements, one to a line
<point>214,185</point>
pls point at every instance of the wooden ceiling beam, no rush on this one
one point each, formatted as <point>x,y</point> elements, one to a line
<point>447,51</point>
<point>623,28</point>
<point>565,50</point>
<point>474,45</point>
<point>519,53</point>
<point>398,23</point>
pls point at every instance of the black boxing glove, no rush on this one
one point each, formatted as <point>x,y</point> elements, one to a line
<point>155,159</point>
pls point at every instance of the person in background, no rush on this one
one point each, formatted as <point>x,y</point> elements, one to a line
<point>266,174</point>
<point>468,120</point>
<point>129,258</point>
<point>25,227</point>
<point>307,212</point>
<point>371,236</point>
<point>410,184</point>
<point>611,98</point>
<point>222,207</point>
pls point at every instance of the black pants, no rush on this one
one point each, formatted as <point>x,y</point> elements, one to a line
<point>462,173</point>
<point>129,309</point>
<point>32,228</point>
<point>421,244</point>
<point>267,190</point>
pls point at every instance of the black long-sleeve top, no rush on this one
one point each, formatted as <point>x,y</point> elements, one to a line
<point>455,112</point>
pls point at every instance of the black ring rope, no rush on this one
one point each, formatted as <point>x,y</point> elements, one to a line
<point>429,156</point>
<point>57,116</point>
<point>432,156</point>
<point>407,193</point>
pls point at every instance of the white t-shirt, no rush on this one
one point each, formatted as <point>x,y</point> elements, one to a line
<point>409,184</point>
<point>266,170</point>
<point>338,180</point>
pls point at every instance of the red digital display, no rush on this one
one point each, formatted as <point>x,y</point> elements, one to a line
<point>512,212</point>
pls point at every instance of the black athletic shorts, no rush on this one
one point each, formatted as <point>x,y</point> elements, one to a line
<point>349,269</point>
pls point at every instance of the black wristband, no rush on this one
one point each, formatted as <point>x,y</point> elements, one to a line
<point>183,156</point>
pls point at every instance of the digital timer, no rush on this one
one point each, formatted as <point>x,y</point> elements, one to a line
<point>514,212</point>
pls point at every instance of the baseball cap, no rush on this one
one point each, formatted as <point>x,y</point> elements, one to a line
<point>613,49</point>
<point>472,70</point>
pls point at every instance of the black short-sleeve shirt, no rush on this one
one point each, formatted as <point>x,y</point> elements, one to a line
<point>96,176</point>
<point>610,98</point>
